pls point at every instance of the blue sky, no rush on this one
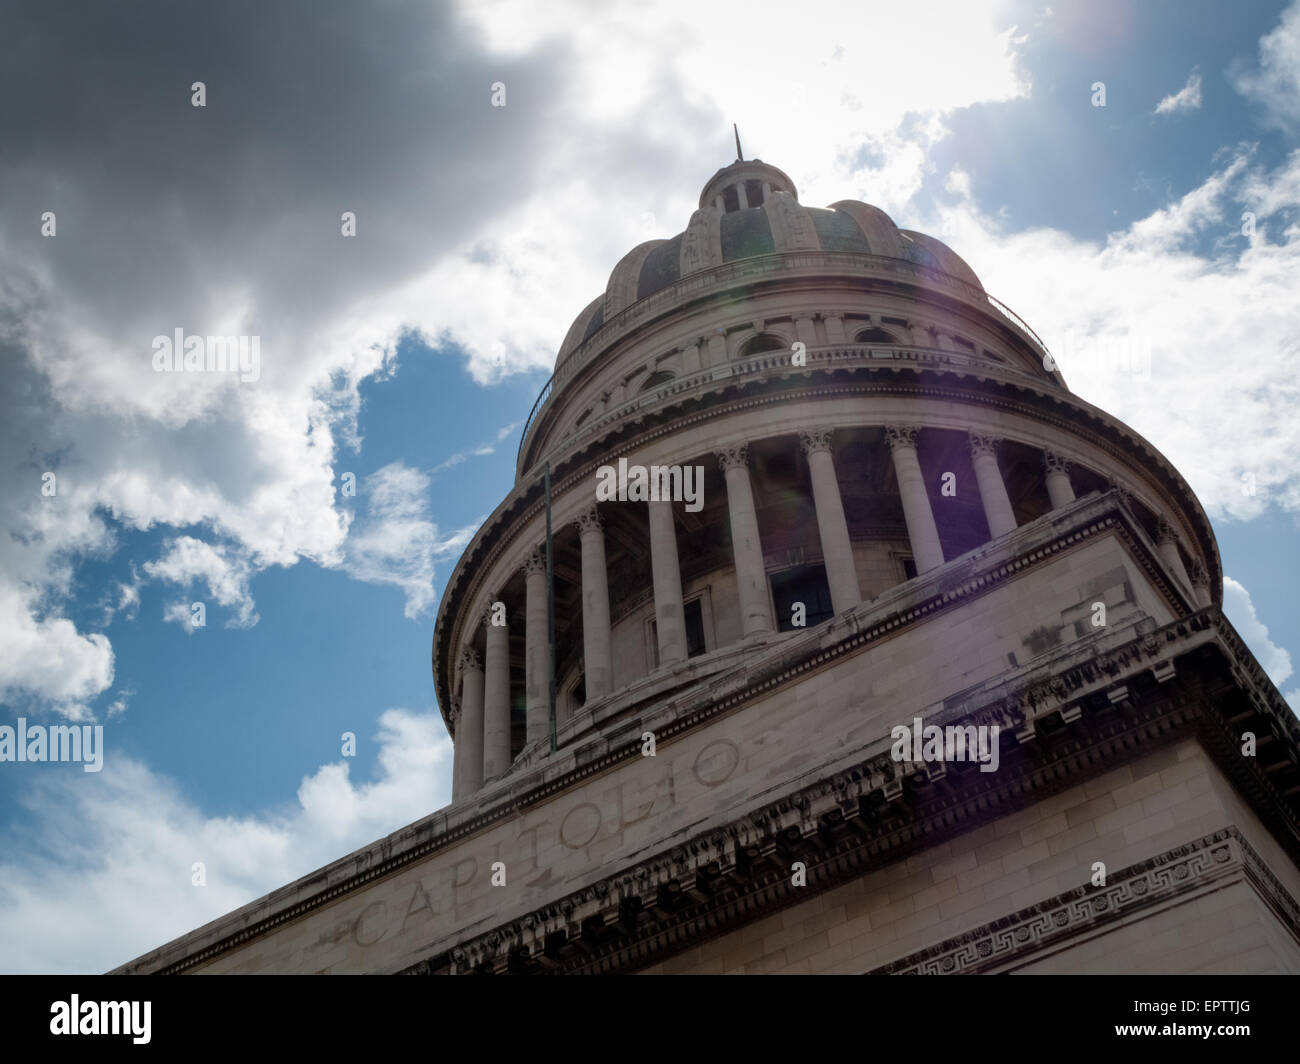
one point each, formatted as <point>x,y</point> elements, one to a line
<point>410,355</point>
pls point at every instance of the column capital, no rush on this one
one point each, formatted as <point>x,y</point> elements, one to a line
<point>1165,530</point>
<point>733,457</point>
<point>981,444</point>
<point>901,435</point>
<point>589,521</point>
<point>453,714</point>
<point>485,612</point>
<point>469,661</point>
<point>1054,463</point>
<point>1198,574</point>
<point>535,563</point>
<point>813,440</point>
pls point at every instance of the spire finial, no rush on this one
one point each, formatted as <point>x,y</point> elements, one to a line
<point>740,157</point>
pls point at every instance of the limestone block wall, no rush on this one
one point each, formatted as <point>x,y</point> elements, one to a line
<point>877,565</point>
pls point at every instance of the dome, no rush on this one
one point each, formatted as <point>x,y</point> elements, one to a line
<point>747,210</point>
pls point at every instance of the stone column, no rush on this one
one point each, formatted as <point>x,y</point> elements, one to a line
<point>837,551</point>
<point>1200,584</point>
<point>1059,488</point>
<point>496,699</point>
<point>537,679</point>
<point>467,769</point>
<point>746,546</point>
<point>921,531</point>
<point>597,659</point>
<point>920,336</point>
<point>993,491</point>
<point>742,193</point>
<point>1167,541</point>
<point>669,620</point>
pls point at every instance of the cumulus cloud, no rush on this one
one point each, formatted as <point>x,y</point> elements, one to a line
<point>48,659</point>
<point>1188,98</point>
<point>1175,307</point>
<point>92,845</point>
<point>1240,610</point>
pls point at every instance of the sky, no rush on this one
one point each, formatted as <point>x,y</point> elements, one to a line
<point>1126,176</point>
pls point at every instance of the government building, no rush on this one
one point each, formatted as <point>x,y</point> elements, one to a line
<point>824,630</point>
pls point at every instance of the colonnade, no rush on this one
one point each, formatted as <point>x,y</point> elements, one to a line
<point>482,715</point>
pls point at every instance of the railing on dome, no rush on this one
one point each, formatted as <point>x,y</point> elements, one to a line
<point>542,396</point>
<point>732,271</point>
<point>1017,320</point>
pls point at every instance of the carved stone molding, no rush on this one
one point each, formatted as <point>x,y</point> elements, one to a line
<point>469,660</point>
<point>901,435</point>
<point>454,714</point>
<point>733,457</point>
<point>814,440</point>
<point>589,521</point>
<point>980,445</point>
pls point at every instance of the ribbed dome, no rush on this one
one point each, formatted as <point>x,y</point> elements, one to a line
<point>747,210</point>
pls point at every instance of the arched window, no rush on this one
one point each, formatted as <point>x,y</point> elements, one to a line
<point>875,335</point>
<point>756,345</point>
<point>655,379</point>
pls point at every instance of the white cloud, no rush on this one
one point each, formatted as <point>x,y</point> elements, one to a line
<point>93,845</point>
<point>47,658</point>
<point>1240,610</point>
<point>1165,314</point>
<point>395,542</point>
<point>1188,98</point>
<point>1275,83</point>
<point>478,451</point>
<point>188,560</point>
